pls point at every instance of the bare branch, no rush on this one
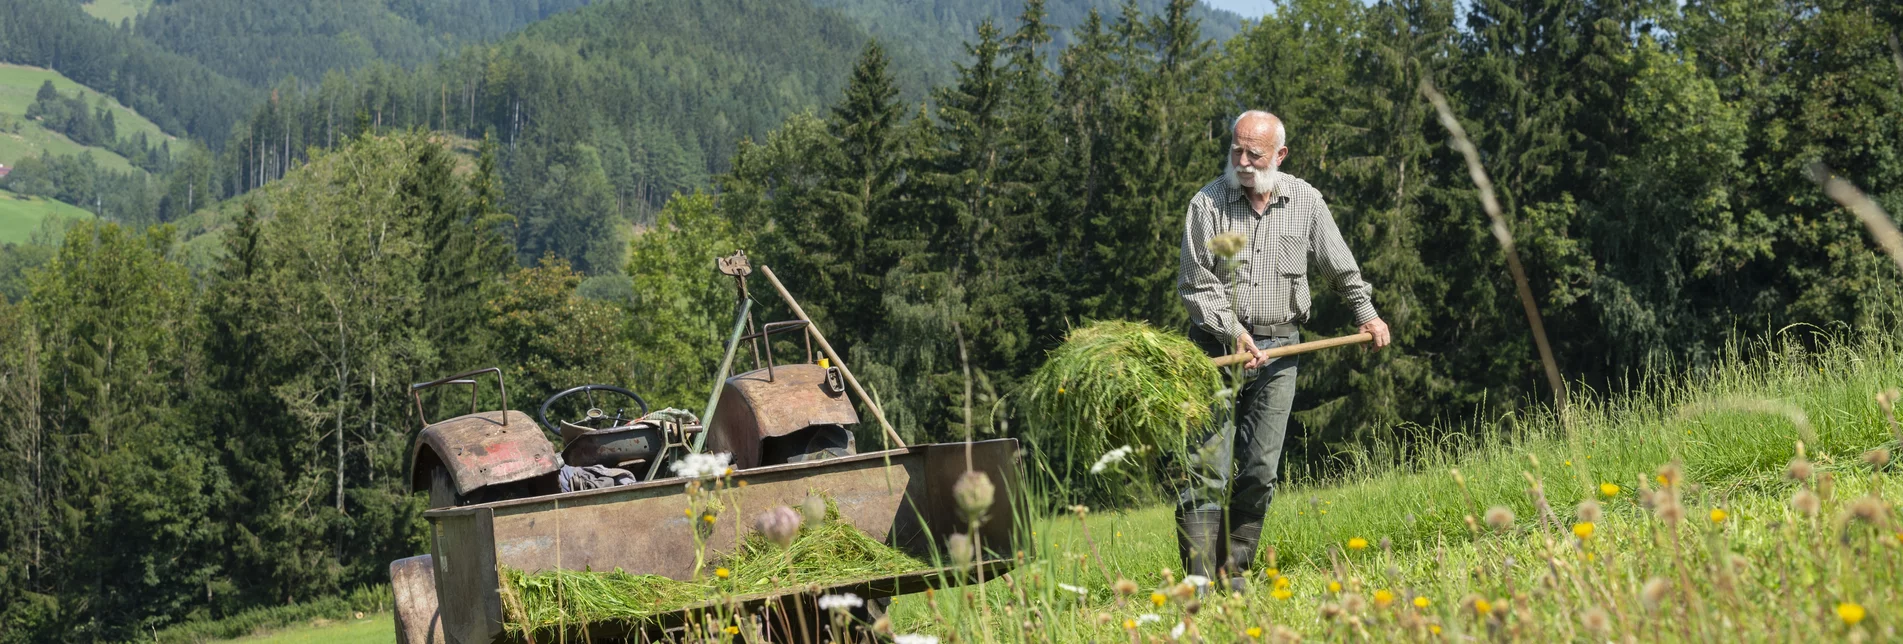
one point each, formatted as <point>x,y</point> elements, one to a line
<point>1503,235</point>
<point>1866,209</point>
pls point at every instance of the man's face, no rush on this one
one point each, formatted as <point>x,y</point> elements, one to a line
<point>1253,157</point>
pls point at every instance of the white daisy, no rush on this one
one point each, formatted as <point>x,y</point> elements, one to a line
<point>842,601</point>
<point>703,466</point>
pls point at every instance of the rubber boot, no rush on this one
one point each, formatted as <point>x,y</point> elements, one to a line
<point>1200,541</point>
<point>1243,538</point>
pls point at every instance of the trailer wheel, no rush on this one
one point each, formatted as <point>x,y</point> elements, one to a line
<point>413,583</point>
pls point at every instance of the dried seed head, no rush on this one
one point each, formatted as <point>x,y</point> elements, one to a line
<point>1670,474</point>
<point>883,626</point>
<point>1654,592</point>
<point>1800,469</point>
<point>1284,635</point>
<point>1227,245</point>
<point>1806,502</point>
<point>959,547</point>
<point>1330,611</point>
<point>1878,457</point>
<point>1648,499</point>
<point>1353,602</point>
<point>1825,484</point>
<point>1869,509</point>
<point>1474,603</point>
<point>1103,619</point>
<point>1671,512</point>
<point>1499,517</point>
<point>1596,621</point>
<point>779,525</point>
<point>1125,587</point>
<point>814,509</point>
<point>1589,511</point>
<point>974,493</point>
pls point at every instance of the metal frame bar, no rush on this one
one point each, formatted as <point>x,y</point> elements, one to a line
<point>464,378</point>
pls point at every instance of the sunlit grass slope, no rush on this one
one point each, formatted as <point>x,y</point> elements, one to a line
<point>19,84</point>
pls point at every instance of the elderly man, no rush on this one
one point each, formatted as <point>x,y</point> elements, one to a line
<point>1285,228</point>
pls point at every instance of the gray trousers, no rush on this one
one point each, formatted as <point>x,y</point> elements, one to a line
<point>1236,463</point>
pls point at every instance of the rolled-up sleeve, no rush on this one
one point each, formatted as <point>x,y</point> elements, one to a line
<point>1330,253</point>
<point>1196,281</point>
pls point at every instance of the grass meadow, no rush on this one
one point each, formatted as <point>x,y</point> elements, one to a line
<point>22,216</point>
<point>1695,530</point>
<point>19,84</point>
<point>116,11</point>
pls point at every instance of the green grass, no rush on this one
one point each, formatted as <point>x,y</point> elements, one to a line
<point>1789,575</point>
<point>22,216</point>
<point>19,84</point>
<point>116,11</point>
<point>372,629</point>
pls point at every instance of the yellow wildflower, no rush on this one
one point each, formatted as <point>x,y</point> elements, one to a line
<point>1482,607</point>
<point>733,630</point>
<point>707,517</point>
<point>1433,628</point>
<point>1608,490</point>
<point>722,573</point>
<point>1850,612</point>
<point>1583,530</point>
<point>1334,586</point>
<point>1718,515</point>
<point>1158,599</point>
<point>1421,602</point>
<point>1254,631</point>
<point>1382,598</point>
<point>1281,593</point>
<point>1281,582</point>
<point>1357,543</point>
<point>1129,624</point>
<point>1273,572</point>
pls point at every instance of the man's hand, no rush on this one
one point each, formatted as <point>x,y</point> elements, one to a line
<point>1379,330</point>
<point>1246,344</point>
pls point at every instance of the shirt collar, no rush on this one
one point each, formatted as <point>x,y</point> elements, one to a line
<point>1239,193</point>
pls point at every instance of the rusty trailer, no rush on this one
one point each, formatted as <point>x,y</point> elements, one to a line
<point>900,497</point>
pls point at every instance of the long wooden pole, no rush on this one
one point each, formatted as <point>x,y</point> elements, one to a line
<point>827,347</point>
<point>1293,349</point>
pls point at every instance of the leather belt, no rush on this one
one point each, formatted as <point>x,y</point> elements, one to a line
<point>1275,330</point>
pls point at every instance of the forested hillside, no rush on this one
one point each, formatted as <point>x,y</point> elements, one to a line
<point>176,92</point>
<point>180,445</point>
<point>262,43</point>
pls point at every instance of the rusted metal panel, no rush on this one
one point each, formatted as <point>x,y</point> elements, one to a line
<point>413,582</point>
<point>481,449</point>
<point>646,528</point>
<point>464,556</point>
<point>753,407</point>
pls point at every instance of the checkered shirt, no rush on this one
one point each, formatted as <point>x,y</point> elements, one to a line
<point>1294,231</point>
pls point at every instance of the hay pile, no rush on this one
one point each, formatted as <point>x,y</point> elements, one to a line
<point>1112,384</point>
<point>830,554</point>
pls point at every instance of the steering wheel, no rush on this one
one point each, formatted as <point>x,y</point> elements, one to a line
<point>594,418</point>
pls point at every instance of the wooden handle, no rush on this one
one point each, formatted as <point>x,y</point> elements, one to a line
<point>1293,349</point>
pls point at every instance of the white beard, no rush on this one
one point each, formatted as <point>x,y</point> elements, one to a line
<point>1263,183</point>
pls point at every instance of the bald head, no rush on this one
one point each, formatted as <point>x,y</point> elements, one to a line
<point>1256,152</point>
<point>1262,127</point>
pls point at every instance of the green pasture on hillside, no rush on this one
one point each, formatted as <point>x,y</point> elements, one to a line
<point>116,11</point>
<point>21,216</point>
<point>19,84</point>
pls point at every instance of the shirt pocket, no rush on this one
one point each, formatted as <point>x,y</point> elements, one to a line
<point>1291,256</point>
